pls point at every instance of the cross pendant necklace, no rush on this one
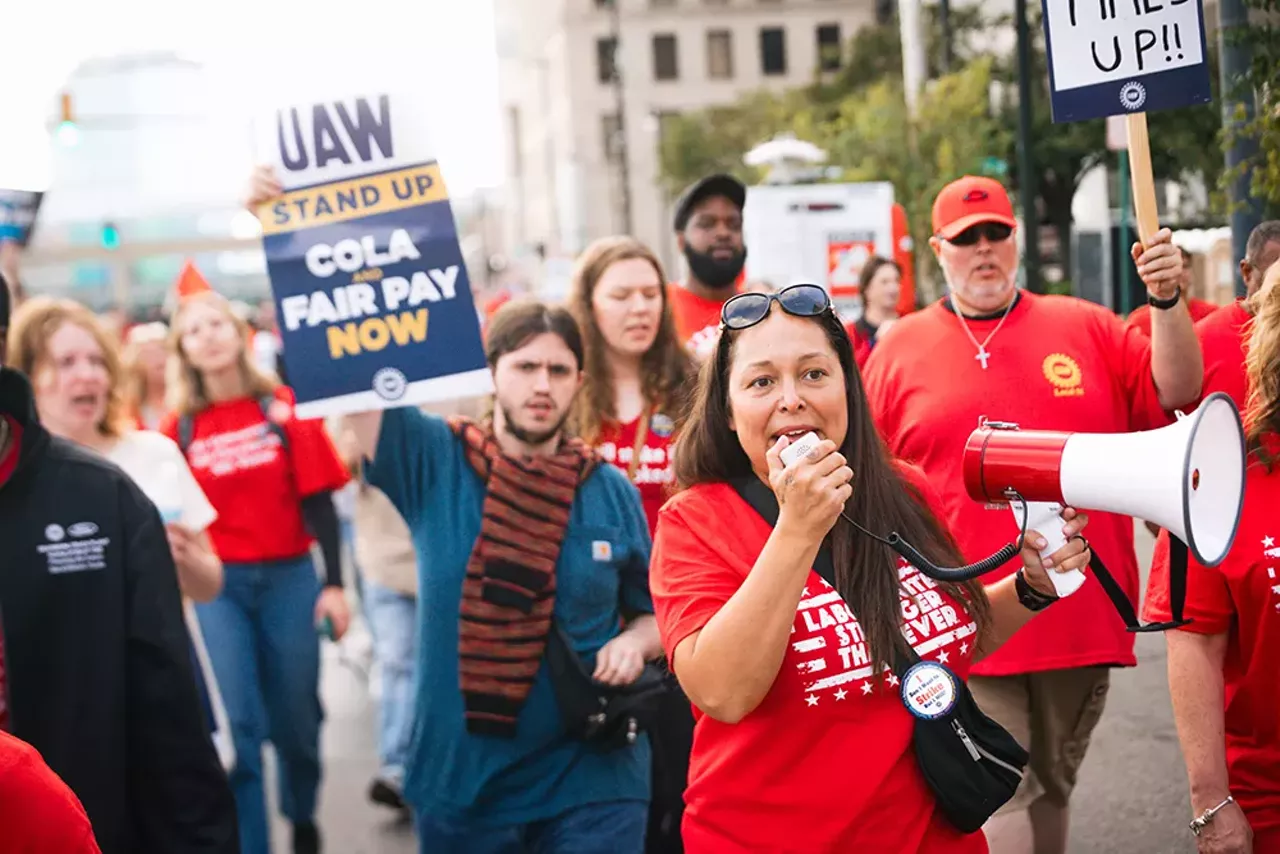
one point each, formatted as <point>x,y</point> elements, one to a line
<point>983,355</point>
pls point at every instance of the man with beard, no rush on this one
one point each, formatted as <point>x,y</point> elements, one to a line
<point>708,223</point>
<point>514,523</point>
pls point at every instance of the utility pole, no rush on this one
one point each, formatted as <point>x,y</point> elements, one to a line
<point>1237,97</point>
<point>944,22</point>
<point>1026,164</point>
<point>620,104</point>
<point>914,68</point>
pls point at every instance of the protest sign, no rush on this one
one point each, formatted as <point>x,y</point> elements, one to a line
<point>374,304</point>
<point>1111,57</point>
<point>18,209</point>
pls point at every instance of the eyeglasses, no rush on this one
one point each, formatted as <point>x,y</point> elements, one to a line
<point>746,310</point>
<point>994,232</point>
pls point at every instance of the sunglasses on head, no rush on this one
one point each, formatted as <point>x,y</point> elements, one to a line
<point>745,310</point>
<point>994,232</point>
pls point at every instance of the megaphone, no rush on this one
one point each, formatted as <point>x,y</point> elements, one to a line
<point>1187,478</point>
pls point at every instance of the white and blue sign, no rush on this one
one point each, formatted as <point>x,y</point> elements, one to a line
<point>1113,57</point>
<point>18,209</point>
<point>373,300</point>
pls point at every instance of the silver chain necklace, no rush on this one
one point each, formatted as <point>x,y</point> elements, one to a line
<point>983,355</point>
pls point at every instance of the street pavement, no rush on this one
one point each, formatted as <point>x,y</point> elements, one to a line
<point>1131,797</point>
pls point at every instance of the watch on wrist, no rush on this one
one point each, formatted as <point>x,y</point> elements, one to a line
<point>1164,304</point>
<point>1031,598</point>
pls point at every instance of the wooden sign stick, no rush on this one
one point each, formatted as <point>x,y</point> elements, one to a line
<point>1144,183</point>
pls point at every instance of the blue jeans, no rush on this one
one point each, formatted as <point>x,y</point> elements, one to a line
<point>393,620</point>
<point>265,651</point>
<point>612,827</point>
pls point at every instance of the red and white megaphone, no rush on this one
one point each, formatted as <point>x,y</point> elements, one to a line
<point>1187,478</point>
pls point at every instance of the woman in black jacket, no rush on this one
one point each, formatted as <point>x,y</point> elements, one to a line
<point>95,670</point>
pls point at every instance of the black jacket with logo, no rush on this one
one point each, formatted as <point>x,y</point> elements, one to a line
<point>98,667</point>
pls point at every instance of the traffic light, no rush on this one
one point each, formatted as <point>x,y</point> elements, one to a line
<point>68,130</point>
<point>110,236</point>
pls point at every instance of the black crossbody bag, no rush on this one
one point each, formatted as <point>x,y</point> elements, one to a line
<point>971,763</point>
<point>605,716</point>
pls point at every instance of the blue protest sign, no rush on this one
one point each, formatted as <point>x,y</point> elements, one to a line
<point>374,304</point>
<point>18,209</point>
<point>1114,57</point>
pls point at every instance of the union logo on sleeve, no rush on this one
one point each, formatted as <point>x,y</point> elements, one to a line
<point>1063,373</point>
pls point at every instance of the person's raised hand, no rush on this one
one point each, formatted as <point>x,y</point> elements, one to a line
<point>1159,264</point>
<point>812,490</point>
<point>263,187</point>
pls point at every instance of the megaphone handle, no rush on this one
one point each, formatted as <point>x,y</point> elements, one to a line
<point>1046,519</point>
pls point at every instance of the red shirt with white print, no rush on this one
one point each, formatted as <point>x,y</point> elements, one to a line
<point>825,762</point>
<point>1240,597</point>
<point>654,474</point>
<point>697,319</point>
<point>256,487</point>
<point>8,463</point>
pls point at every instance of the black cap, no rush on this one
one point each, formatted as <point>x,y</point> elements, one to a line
<point>713,185</point>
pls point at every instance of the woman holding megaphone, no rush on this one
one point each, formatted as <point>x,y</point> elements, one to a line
<point>826,672</point>
<point>1231,647</point>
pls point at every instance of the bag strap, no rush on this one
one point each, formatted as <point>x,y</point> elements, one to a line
<point>265,403</point>
<point>762,500</point>
<point>642,433</point>
<point>1178,558</point>
<point>186,433</point>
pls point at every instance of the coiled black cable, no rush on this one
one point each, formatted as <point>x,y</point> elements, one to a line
<point>957,574</point>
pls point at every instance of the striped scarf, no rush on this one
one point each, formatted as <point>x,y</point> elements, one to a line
<point>509,592</point>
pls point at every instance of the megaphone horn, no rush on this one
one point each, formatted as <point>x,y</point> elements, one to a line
<point>1187,477</point>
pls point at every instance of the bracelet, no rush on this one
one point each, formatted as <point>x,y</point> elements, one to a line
<point>1164,304</point>
<point>1197,824</point>
<point>1031,598</point>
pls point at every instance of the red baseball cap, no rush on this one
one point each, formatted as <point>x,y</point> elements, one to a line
<point>968,201</point>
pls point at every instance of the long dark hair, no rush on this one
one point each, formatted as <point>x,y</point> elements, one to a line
<point>666,367</point>
<point>882,501</point>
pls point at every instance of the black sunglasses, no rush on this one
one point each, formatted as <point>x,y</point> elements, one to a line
<point>994,232</point>
<point>745,310</point>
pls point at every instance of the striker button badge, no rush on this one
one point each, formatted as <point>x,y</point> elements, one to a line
<point>390,384</point>
<point>929,690</point>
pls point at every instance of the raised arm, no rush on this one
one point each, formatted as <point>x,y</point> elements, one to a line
<point>729,665</point>
<point>1177,365</point>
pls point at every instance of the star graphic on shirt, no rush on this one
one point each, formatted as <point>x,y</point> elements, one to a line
<point>804,593</point>
<point>841,694</point>
<point>867,687</point>
<point>1268,542</point>
<point>893,680</point>
<point>825,583</point>
<point>812,700</point>
<point>964,647</point>
<point>1276,589</point>
<point>943,656</point>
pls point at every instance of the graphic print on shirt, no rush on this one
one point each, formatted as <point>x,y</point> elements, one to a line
<point>227,453</point>
<point>1063,373</point>
<point>830,650</point>
<point>1271,551</point>
<point>656,464</point>
<point>74,548</point>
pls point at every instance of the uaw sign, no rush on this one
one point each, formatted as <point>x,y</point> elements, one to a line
<point>1116,57</point>
<point>371,290</point>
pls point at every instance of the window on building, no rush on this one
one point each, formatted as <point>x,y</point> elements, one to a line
<point>773,50</point>
<point>603,4</point>
<point>885,10</point>
<point>606,62</point>
<point>611,136</point>
<point>666,65</point>
<point>829,48</point>
<point>720,54</point>
<point>662,4</point>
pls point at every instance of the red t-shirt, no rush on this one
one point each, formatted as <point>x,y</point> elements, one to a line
<point>697,319</point>
<point>38,813</point>
<point>1224,339</point>
<point>655,473</point>
<point>825,762</point>
<point>1058,363</point>
<point>8,462</point>
<point>1140,317</point>
<point>256,488</point>
<point>1241,597</point>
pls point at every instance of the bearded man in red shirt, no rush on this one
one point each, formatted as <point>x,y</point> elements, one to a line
<point>1044,362</point>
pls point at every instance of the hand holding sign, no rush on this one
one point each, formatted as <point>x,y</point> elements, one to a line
<point>1159,264</point>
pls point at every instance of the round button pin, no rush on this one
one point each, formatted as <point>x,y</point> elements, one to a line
<point>929,690</point>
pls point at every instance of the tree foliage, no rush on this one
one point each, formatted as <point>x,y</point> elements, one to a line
<point>1262,39</point>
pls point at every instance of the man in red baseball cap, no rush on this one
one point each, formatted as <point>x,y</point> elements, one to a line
<point>1045,362</point>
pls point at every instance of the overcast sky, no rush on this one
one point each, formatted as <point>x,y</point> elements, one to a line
<point>247,41</point>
